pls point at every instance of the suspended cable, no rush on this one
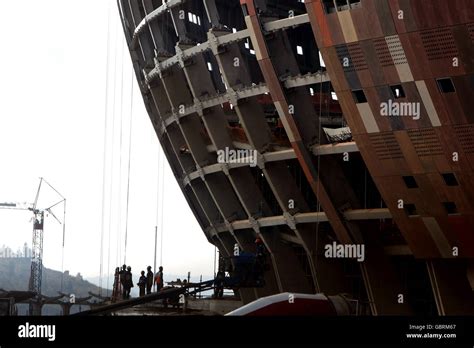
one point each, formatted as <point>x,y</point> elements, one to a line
<point>112,159</point>
<point>158,202</point>
<point>128,175</point>
<point>119,200</point>
<point>215,257</point>
<point>64,239</point>
<point>162,206</point>
<point>104,168</point>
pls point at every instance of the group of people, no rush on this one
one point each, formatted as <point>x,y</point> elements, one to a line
<point>124,280</point>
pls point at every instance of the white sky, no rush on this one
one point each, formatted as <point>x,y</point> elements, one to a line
<point>52,101</point>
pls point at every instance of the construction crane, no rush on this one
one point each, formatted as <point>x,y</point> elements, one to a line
<point>37,243</point>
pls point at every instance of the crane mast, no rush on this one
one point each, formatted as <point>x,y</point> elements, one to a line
<point>36,273</point>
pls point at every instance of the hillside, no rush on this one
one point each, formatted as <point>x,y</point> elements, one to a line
<point>15,275</point>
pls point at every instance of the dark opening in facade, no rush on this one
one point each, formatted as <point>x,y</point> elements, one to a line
<point>410,209</point>
<point>450,179</point>
<point>359,96</point>
<point>450,207</point>
<point>446,85</point>
<point>410,181</point>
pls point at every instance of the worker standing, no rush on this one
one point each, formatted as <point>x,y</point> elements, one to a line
<point>142,282</point>
<point>159,279</point>
<point>122,281</point>
<point>149,280</point>
<point>128,285</point>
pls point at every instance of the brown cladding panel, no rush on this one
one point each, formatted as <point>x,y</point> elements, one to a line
<point>413,96</point>
<point>377,72</point>
<point>407,24</point>
<point>441,50</point>
<point>464,91</point>
<point>417,56</point>
<point>464,36</point>
<point>366,21</point>
<point>413,229</point>
<point>384,15</point>
<point>379,95</point>
<point>335,30</point>
<point>384,57</point>
<point>425,13</point>
<point>462,227</point>
<point>453,104</point>
<point>334,69</point>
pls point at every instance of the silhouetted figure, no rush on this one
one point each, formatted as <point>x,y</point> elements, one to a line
<point>149,280</point>
<point>116,288</point>
<point>159,279</point>
<point>219,284</point>
<point>142,283</point>
<point>122,280</point>
<point>128,284</point>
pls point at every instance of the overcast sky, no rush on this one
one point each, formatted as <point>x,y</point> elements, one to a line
<point>52,114</point>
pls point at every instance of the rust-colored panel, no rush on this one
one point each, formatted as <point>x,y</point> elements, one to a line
<point>445,11</point>
<point>438,102</point>
<point>365,76</point>
<point>411,45</point>
<point>335,29</point>
<point>459,8</point>
<point>412,228</point>
<point>413,96</point>
<point>409,152</point>
<point>366,21</point>
<point>316,15</point>
<point>406,24</point>
<point>334,68</point>
<point>441,50</point>
<point>391,75</point>
<point>464,91</point>
<point>463,35</point>
<point>370,157</point>
<point>462,227</point>
<point>384,14</point>
<point>375,96</point>
<point>352,115</point>
<point>452,103</point>
<point>377,72</point>
<point>416,56</point>
<point>250,6</point>
<point>425,14</point>
<point>449,143</point>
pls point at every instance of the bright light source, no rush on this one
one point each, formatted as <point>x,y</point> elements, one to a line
<point>209,66</point>
<point>299,50</point>
<point>190,16</point>
<point>311,91</point>
<point>252,52</point>
<point>321,60</point>
<point>334,96</point>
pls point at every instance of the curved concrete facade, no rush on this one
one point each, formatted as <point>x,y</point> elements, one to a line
<point>223,76</point>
